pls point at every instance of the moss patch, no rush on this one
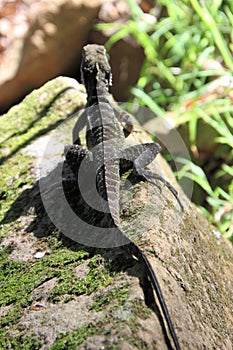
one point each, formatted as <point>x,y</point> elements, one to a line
<point>19,279</point>
<point>73,339</point>
<point>19,342</point>
<point>120,294</point>
<point>70,284</point>
<point>110,323</point>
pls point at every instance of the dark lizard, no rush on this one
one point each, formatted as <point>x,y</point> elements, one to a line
<point>106,156</point>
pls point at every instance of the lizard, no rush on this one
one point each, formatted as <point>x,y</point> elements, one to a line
<point>107,126</point>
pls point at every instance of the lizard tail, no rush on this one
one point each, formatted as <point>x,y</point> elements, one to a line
<point>141,256</point>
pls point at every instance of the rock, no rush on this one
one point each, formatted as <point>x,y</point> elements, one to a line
<point>43,39</point>
<point>47,303</point>
<point>48,41</point>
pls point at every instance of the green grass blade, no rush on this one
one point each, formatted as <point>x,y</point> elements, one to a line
<point>211,25</point>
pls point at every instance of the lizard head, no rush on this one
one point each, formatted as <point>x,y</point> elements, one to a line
<point>95,67</point>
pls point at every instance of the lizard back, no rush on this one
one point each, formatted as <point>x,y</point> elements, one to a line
<point>104,134</point>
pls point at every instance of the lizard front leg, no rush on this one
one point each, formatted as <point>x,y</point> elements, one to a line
<point>124,118</point>
<point>74,156</point>
<point>79,126</point>
<point>69,182</point>
<point>140,156</point>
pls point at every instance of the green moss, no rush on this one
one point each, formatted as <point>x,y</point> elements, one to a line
<point>120,294</point>
<point>38,113</point>
<point>19,279</point>
<point>14,175</point>
<point>69,283</point>
<point>19,342</point>
<point>11,317</point>
<point>73,339</point>
<point>108,322</point>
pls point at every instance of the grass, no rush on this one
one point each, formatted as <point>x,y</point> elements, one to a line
<point>187,77</point>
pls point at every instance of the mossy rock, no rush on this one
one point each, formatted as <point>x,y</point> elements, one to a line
<point>58,294</point>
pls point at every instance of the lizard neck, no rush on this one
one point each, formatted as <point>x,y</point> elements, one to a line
<point>97,92</point>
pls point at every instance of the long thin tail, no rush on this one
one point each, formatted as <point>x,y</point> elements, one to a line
<point>140,255</point>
